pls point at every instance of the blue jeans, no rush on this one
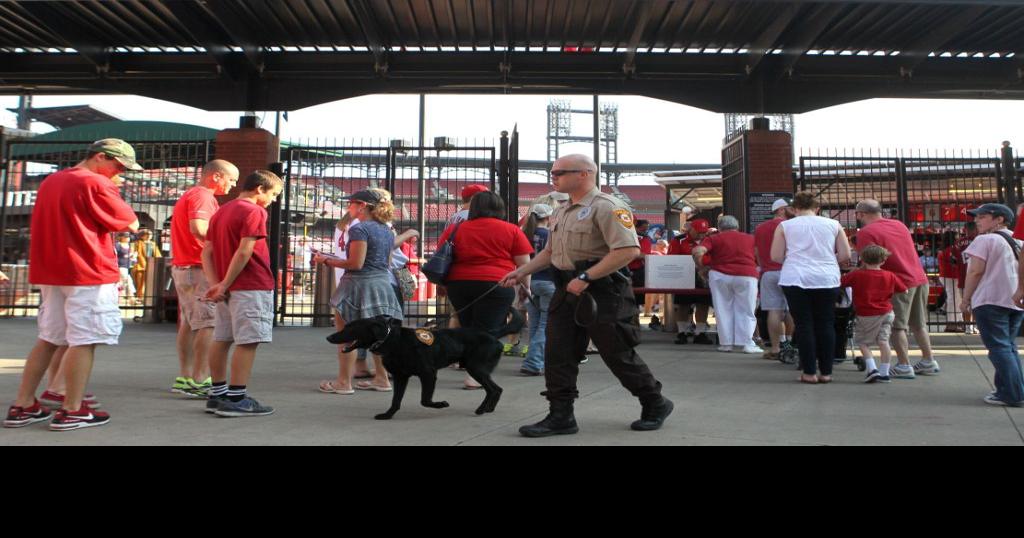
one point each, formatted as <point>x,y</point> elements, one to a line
<point>542,291</point>
<point>999,329</point>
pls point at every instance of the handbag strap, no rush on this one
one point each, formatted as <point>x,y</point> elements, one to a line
<point>1013,245</point>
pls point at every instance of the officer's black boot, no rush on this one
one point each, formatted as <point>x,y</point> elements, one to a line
<point>654,414</point>
<point>560,421</point>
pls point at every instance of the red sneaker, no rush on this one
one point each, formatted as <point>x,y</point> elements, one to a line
<point>19,417</point>
<point>75,420</point>
<point>57,400</point>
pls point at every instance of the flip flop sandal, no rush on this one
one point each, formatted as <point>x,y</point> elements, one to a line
<point>371,387</point>
<point>327,387</point>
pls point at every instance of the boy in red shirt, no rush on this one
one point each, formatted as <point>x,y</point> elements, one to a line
<point>72,261</point>
<point>873,290</point>
<point>236,261</point>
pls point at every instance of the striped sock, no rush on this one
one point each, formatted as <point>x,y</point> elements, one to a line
<point>236,393</point>
<point>219,389</point>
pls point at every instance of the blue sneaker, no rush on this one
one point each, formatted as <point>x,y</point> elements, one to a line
<point>213,403</point>
<point>245,408</point>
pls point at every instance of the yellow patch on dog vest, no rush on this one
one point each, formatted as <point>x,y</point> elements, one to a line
<point>625,217</point>
<point>425,336</point>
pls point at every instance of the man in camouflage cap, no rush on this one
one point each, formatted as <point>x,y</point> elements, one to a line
<point>120,150</point>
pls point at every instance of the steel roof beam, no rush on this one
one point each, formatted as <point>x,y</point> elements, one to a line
<point>47,15</point>
<point>915,54</point>
<point>766,43</point>
<point>374,37</point>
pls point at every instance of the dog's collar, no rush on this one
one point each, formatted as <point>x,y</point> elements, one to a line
<point>376,345</point>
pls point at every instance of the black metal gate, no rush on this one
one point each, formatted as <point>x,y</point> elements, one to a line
<point>928,191</point>
<point>426,185</point>
<point>171,168</point>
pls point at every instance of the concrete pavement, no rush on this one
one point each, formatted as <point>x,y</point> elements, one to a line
<point>721,399</point>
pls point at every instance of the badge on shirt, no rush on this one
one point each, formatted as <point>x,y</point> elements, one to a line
<point>584,213</point>
<point>424,336</point>
<point>625,217</point>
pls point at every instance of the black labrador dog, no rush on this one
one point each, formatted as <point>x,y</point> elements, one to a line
<point>421,353</point>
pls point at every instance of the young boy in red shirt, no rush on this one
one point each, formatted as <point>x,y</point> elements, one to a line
<point>236,260</point>
<point>873,290</point>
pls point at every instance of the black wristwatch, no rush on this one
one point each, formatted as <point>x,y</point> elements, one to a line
<point>584,277</point>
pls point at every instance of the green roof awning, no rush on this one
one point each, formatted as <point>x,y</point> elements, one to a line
<point>157,144</point>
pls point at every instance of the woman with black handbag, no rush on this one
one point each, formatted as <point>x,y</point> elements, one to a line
<point>486,249</point>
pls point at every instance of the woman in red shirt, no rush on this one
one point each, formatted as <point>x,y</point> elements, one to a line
<point>733,281</point>
<point>486,249</point>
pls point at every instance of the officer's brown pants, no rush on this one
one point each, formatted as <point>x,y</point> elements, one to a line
<point>615,334</point>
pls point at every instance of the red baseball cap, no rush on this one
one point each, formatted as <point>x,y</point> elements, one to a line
<point>469,192</point>
<point>700,226</point>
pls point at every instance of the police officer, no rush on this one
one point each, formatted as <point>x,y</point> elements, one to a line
<point>592,241</point>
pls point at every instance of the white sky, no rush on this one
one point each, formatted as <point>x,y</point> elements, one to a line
<point>650,130</point>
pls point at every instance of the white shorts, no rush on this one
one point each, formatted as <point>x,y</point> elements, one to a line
<point>247,317</point>
<point>80,315</point>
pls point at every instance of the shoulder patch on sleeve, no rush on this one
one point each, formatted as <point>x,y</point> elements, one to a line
<point>425,337</point>
<point>625,217</point>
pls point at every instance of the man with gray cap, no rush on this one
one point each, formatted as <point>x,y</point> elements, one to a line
<point>911,308</point>
<point>72,261</point>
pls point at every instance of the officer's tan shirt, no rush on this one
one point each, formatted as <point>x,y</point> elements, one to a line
<point>589,230</point>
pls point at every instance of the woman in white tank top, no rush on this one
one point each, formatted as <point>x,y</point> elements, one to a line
<point>811,250</point>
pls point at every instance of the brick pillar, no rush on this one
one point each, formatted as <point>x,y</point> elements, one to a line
<point>757,169</point>
<point>249,150</point>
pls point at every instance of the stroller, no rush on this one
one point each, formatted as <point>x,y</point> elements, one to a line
<point>846,323</point>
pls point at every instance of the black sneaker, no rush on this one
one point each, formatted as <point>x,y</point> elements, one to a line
<point>872,378</point>
<point>245,408</point>
<point>65,420</point>
<point>682,339</point>
<point>703,339</point>
<point>213,402</point>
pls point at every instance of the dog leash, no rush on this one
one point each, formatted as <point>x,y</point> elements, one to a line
<point>478,299</point>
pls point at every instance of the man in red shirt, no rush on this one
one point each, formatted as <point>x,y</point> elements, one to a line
<point>638,266</point>
<point>959,248</point>
<point>686,305</point>
<point>910,308</point>
<point>72,261</point>
<point>236,261</point>
<point>773,300</point>
<point>189,225</point>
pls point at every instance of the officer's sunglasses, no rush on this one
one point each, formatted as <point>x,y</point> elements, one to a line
<point>560,173</point>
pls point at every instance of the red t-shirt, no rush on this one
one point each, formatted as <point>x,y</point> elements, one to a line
<point>947,266</point>
<point>75,213</point>
<point>1018,233</point>
<point>764,236</point>
<point>732,253</point>
<point>646,249</point>
<point>236,220</point>
<point>410,252</point>
<point>484,249</point>
<point>197,204</point>
<point>684,245</point>
<point>873,291</point>
<point>894,236</point>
